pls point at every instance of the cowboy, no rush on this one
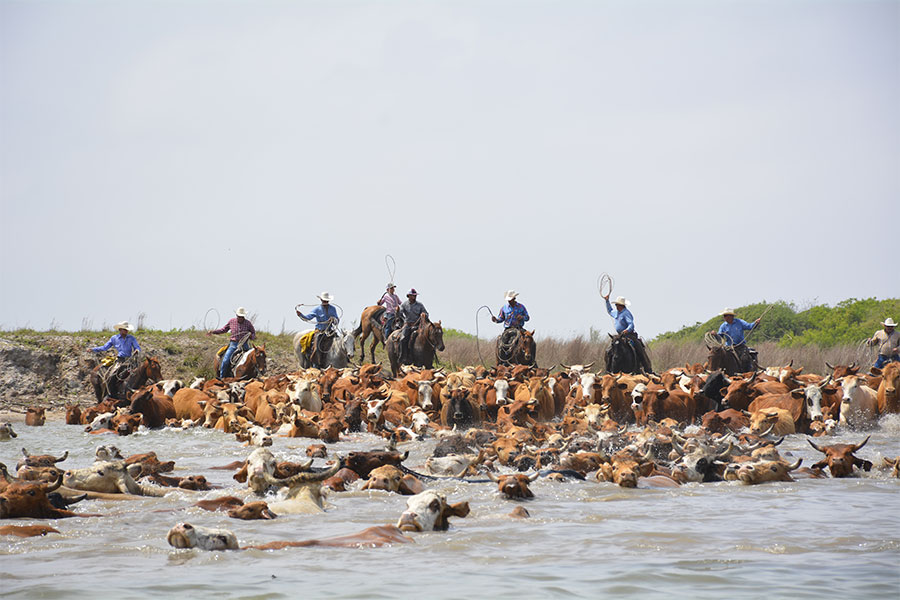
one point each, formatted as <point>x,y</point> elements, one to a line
<point>124,343</point>
<point>625,328</point>
<point>391,304</point>
<point>888,341</point>
<point>410,312</point>
<point>513,314</point>
<point>239,326</point>
<point>324,314</point>
<point>731,332</point>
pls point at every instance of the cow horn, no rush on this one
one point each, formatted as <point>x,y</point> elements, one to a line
<point>25,452</point>
<point>535,476</point>
<point>829,365</point>
<point>791,364</point>
<point>64,456</point>
<point>769,430</point>
<point>648,455</point>
<point>492,477</point>
<point>624,429</point>
<point>795,465</point>
<point>827,380</point>
<point>853,365</point>
<point>864,442</point>
<point>778,443</point>
<point>589,365</point>
<point>308,477</point>
<point>746,413</point>
<point>49,487</point>
<point>677,446</point>
<point>813,444</point>
<point>726,453</point>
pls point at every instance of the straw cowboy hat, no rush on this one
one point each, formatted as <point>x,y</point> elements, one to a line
<point>324,297</point>
<point>622,301</point>
<point>727,311</point>
<point>125,325</point>
<point>241,312</point>
<point>889,322</point>
<point>511,295</point>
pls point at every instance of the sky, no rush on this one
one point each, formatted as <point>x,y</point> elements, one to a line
<point>180,159</point>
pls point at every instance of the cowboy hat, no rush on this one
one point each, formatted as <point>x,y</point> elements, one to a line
<point>622,301</point>
<point>125,325</point>
<point>241,312</point>
<point>390,286</point>
<point>511,295</point>
<point>889,322</point>
<point>412,292</point>
<point>727,311</point>
<point>324,297</point>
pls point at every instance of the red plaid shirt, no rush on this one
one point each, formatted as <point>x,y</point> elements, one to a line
<point>238,329</point>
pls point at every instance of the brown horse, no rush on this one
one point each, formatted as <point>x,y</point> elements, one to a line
<point>370,323</point>
<point>422,352</point>
<point>249,365</point>
<point>124,380</point>
<point>516,347</point>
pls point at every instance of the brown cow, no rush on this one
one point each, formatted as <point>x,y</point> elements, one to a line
<point>514,487</point>
<point>30,500</point>
<point>252,511</point>
<point>27,530</point>
<point>889,390</point>
<point>839,458</point>
<point>34,416</point>
<point>189,404</point>
<point>363,463</point>
<point>391,479</point>
<point>661,404</point>
<point>73,414</point>
<point>623,469</point>
<point>459,410</point>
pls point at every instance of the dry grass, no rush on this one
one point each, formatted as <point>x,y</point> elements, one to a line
<point>553,352</point>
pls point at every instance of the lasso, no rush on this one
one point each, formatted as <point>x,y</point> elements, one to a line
<point>206,319</point>
<point>477,336</point>
<point>605,281</point>
<point>392,267</point>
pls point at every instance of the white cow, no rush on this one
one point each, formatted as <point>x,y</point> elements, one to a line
<point>859,404</point>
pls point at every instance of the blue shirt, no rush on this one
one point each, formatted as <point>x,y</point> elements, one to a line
<point>624,319</point>
<point>735,331</point>
<point>513,316</point>
<point>321,314</point>
<point>125,346</point>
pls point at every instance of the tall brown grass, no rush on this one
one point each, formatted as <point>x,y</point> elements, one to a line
<point>553,352</point>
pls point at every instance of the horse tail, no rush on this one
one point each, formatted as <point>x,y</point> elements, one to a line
<point>357,331</point>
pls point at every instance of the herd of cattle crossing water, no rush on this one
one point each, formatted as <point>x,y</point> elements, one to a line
<point>503,426</point>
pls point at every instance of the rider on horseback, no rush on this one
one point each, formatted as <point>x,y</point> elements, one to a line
<point>731,333</point>
<point>240,326</point>
<point>410,311</point>
<point>625,329</point>
<point>391,304</point>
<point>125,344</point>
<point>513,316</point>
<point>324,315</point>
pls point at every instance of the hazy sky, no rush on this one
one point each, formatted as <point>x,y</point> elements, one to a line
<point>166,157</point>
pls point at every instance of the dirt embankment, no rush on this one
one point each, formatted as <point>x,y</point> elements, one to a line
<point>50,369</point>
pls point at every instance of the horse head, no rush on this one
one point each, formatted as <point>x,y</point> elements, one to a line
<point>436,335</point>
<point>527,347</point>
<point>348,343</point>
<point>259,357</point>
<point>152,368</point>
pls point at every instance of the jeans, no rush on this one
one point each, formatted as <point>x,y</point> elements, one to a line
<point>226,358</point>
<point>389,324</point>
<point>883,359</point>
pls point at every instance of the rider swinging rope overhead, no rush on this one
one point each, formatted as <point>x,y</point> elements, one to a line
<point>324,315</point>
<point>625,329</point>
<point>240,326</point>
<point>410,312</point>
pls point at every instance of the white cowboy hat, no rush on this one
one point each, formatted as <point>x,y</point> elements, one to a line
<point>621,300</point>
<point>511,295</point>
<point>889,322</point>
<point>125,325</point>
<point>727,311</point>
<point>324,297</point>
<point>241,312</point>
<point>390,286</point>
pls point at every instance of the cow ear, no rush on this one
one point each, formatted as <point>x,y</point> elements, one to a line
<point>460,509</point>
<point>663,393</point>
<point>622,386</point>
<point>646,469</point>
<point>411,385</point>
<point>723,391</point>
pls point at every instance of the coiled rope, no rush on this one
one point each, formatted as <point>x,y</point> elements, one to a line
<point>477,336</point>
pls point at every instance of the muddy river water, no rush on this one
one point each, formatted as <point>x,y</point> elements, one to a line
<point>812,538</point>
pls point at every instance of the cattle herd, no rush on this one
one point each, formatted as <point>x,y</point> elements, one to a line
<point>504,426</point>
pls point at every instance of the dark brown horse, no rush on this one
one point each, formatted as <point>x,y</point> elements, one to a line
<point>423,349</point>
<point>124,380</point>
<point>729,360</point>
<point>516,347</point>
<point>250,364</point>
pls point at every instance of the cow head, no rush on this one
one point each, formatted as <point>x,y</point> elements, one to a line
<point>429,511</point>
<point>839,458</point>
<point>514,487</point>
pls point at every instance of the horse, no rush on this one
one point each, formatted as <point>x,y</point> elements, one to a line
<point>621,357</point>
<point>728,360</point>
<point>250,363</point>
<point>125,379</point>
<point>338,355</point>
<point>370,324</point>
<point>422,352</point>
<point>518,348</point>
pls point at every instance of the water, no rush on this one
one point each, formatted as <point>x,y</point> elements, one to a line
<point>837,538</point>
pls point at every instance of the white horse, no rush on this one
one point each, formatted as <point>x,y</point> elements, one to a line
<point>340,353</point>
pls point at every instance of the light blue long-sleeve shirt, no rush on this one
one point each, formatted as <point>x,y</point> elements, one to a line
<point>124,346</point>
<point>624,318</point>
<point>321,314</point>
<point>735,330</point>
